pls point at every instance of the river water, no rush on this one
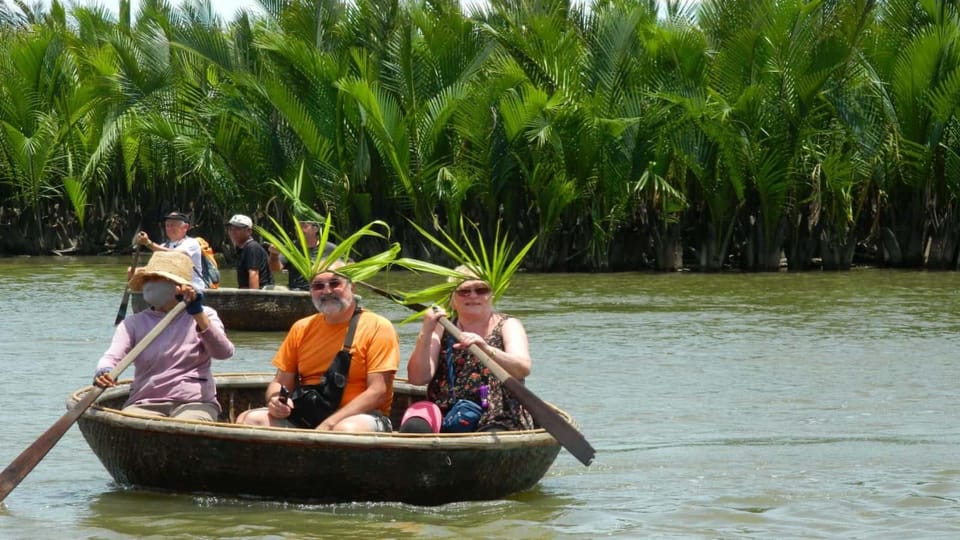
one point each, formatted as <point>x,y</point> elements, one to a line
<point>814,405</point>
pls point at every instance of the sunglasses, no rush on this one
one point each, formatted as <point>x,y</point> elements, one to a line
<point>481,290</point>
<point>334,284</point>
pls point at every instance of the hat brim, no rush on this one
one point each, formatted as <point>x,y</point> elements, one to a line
<point>136,282</point>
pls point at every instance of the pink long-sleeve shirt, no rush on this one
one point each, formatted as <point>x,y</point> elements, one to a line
<point>177,365</point>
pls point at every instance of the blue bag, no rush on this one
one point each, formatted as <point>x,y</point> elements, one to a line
<point>464,415</point>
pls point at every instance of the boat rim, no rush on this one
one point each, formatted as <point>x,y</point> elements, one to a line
<point>239,432</point>
<point>257,292</point>
<point>234,291</point>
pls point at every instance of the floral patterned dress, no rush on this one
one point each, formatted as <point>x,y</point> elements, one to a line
<point>469,374</point>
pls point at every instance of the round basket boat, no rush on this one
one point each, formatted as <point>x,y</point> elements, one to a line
<point>254,310</point>
<point>304,465</point>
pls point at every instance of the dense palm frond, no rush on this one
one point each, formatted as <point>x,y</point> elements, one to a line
<point>619,136</point>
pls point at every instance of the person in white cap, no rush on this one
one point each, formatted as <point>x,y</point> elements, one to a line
<point>253,269</point>
<point>175,226</point>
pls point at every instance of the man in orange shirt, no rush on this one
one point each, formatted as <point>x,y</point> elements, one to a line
<point>306,364</point>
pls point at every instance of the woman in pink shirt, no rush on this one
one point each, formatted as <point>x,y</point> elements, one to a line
<point>173,375</point>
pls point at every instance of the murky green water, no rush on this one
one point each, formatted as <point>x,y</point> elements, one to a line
<point>721,406</point>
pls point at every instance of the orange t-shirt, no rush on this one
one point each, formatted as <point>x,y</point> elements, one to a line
<point>312,343</point>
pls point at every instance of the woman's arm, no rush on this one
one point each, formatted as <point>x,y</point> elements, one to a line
<point>212,334</point>
<point>423,360</point>
<point>515,355</point>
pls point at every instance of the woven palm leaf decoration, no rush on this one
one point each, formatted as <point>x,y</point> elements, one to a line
<point>297,253</point>
<point>494,263</point>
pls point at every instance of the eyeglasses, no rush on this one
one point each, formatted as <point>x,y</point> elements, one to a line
<point>334,284</point>
<point>481,290</point>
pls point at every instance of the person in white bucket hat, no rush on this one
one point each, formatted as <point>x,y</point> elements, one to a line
<point>173,375</point>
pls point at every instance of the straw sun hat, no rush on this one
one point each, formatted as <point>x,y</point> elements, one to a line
<point>173,265</point>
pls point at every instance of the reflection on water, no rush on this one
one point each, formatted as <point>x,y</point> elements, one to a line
<point>154,514</point>
<point>758,406</point>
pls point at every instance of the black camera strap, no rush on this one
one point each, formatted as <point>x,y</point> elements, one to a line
<point>313,404</point>
<point>348,341</point>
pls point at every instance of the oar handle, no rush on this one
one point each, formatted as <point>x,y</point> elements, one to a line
<point>451,328</point>
<point>122,311</point>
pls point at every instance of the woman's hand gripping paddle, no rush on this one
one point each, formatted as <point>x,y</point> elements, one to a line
<point>544,414</point>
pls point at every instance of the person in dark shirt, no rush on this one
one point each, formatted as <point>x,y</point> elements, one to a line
<point>278,263</point>
<point>253,271</point>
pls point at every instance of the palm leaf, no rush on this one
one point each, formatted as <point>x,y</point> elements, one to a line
<point>297,252</point>
<point>495,265</point>
<point>293,193</point>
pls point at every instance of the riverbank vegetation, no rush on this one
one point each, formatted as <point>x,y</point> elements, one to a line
<point>711,135</point>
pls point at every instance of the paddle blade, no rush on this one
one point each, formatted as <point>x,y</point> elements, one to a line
<point>29,458</point>
<point>550,420</point>
<point>122,311</point>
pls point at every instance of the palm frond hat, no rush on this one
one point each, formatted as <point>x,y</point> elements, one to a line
<point>335,257</point>
<point>474,260</point>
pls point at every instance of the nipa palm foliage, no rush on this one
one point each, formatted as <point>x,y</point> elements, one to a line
<point>710,134</point>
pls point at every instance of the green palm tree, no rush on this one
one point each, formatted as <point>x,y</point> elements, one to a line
<point>572,121</point>
<point>778,64</point>
<point>915,54</point>
<point>402,100</point>
<point>39,100</point>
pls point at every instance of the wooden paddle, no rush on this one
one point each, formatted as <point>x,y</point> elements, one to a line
<point>544,414</point>
<point>122,312</point>
<point>29,458</point>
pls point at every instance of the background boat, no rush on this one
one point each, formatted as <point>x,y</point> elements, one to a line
<point>292,464</point>
<point>254,310</point>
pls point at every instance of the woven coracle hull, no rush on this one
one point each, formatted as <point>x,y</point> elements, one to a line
<point>252,310</point>
<point>289,464</point>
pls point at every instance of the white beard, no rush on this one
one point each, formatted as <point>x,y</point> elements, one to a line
<point>330,305</point>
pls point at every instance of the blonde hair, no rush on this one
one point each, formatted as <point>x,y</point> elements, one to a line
<point>465,271</point>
